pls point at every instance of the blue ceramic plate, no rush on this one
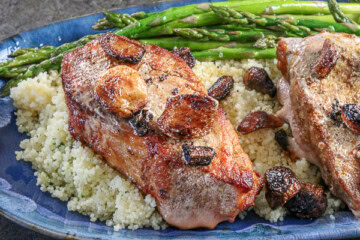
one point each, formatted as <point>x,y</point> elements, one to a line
<point>23,202</point>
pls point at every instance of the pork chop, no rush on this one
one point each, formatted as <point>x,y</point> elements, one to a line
<point>150,117</point>
<point>321,79</point>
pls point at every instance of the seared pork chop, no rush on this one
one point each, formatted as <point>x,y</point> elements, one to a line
<point>321,77</point>
<point>150,117</point>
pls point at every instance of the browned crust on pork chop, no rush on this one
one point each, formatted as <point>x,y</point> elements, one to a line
<point>320,75</point>
<point>187,196</point>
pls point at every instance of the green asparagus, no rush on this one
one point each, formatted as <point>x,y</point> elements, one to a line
<point>249,19</point>
<point>22,51</point>
<point>38,55</point>
<point>338,15</point>
<point>12,72</point>
<point>171,42</point>
<point>199,34</point>
<point>32,71</point>
<point>309,8</point>
<point>266,42</point>
<point>119,20</point>
<point>103,24</point>
<point>182,12</point>
<point>113,20</point>
<point>235,53</point>
<point>297,27</point>
<point>28,56</point>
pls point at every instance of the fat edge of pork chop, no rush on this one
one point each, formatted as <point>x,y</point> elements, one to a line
<point>321,74</point>
<point>148,145</point>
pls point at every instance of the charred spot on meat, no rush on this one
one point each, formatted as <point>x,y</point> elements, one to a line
<point>282,139</point>
<point>257,79</point>
<point>350,114</point>
<point>122,48</point>
<point>335,114</point>
<point>258,120</point>
<point>122,90</point>
<point>280,186</point>
<point>175,91</point>
<point>309,202</point>
<point>148,80</point>
<point>188,116</point>
<point>186,55</point>
<point>221,88</point>
<point>198,155</point>
<point>139,123</point>
<point>163,194</point>
<point>162,77</point>
<point>326,61</point>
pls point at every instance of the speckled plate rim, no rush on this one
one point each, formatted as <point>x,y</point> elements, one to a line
<point>38,228</point>
<point>324,228</point>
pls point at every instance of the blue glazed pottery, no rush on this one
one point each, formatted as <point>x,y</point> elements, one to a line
<point>23,202</point>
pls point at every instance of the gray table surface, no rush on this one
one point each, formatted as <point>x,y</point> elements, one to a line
<point>20,15</point>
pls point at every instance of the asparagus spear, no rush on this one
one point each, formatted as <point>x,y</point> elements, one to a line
<point>298,27</point>
<point>38,55</point>
<point>309,8</point>
<point>338,15</point>
<point>113,20</point>
<point>22,51</point>
<point>171,42</point>
<point>266,42</point>
<point>119,20</point>
<point>205,19</point>
<point>32,71</point>
<point>141,15</point>
<point>235,53</point>
<point>233,27</point>
<point>205,35</point>
<point>28,56</point>
<point>249,19</point>
<point>322,18</point>
<point>12,72</point>
<point>182,12</point>
<point>103,24</point>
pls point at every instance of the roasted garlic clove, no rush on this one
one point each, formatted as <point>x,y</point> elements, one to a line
<point>122,48</point>
<point>309,202</point>
<point>221,88</point>
<point>186,55</point>
<point>257,79</point>
<point>350,114</point>
<point>258,120</point>
<point>280,186</point>
<point>122,90</point>
<point>198,155</point>
<point>188,116</point>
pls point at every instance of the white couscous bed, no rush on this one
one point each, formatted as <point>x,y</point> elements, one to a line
<point>74,173</point>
